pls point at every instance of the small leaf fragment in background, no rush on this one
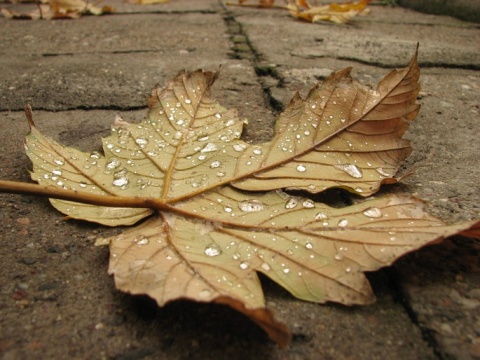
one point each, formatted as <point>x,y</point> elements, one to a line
<point>301,9</point>
<point>147,2</point>
<point>59,9</point>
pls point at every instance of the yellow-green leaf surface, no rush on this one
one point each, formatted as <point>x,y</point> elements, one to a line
<point>220,213</point>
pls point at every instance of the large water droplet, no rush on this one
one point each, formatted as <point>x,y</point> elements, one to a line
<point>301,168</point>
<point>350,169</point>
<point>321,216</point>
<point>209,148</point>
<point>239,147</point>
<point>382,172</point>
<point>120,179</point>
<point>244,265</point>
<point>95,155</point>
<point>309,245</point>
<point>113,164</point>
<point>142,142</point>
<point>308,204</point>
<point>291,203</point>
<point>205,293</point>
<point>56,172</point>
<point>342,222</point>
<point>257,151</point>
<point>141,240</point>
<point>266,267</point>
<point>213,250</point>
<point>59,162</point>
<point>215,164</point>
<point>251,205</point>
<point>373,212</point>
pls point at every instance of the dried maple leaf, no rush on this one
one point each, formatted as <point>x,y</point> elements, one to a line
<point>301,9</point>
<point>337,13</point>
<point>59,9</point>
<point>220,215</point>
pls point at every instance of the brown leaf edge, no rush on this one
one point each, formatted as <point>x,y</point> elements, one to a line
<point>277,331</point>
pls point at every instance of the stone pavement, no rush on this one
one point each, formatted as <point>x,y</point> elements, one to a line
<point>56,300</point>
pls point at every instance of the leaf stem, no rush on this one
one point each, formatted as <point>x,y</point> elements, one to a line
<point>14,187</point>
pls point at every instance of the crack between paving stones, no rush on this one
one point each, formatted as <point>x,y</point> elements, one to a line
<point>401,297</point>
<point>424,64</point>
<point>242,49</point>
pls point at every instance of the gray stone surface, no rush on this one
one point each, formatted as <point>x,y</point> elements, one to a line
<point>463,9</point>
<point>56,300</point>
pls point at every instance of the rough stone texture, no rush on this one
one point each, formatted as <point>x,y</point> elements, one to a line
<point>56,300</point>
<point>463,9</point>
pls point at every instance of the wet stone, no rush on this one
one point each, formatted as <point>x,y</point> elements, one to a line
<point>28,260</point>
<point>52,285</point>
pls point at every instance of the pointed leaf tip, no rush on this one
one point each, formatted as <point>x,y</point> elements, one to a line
<point>29,116</point>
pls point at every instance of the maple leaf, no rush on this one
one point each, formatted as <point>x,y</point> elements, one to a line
<point>303,10</point>
<point>218,210</point>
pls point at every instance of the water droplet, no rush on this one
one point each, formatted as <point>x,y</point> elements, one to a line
<point>180,122</point>
<point>213,250</point>
<point>83,184</point>
<point>266,267</point>
<point>113,164</point>
<point>321,216</point>
<point>338,256</point>
<point>309,245</point>
<point>209,148</point>
<point>60,183</point>
<point>188,101</point>
<point>343,120</point>
<point>56,172</point>
<point>382,172</point>
<point>286,271</point>
<point>218,116</point>
<point>301,168</point>
<point>228,209</point>
<point>120,179</point>
<point>291,203</point>
<point>205,293</point>
<point>109,146</point>
<point>308,204</point>
<point>141,240</point>
<point>373,212</point>
<point>141,141</point>
<point>350,169</point>
<point>257,151</point>
<point>348,269</point>
<point>251,205</point>
<point>342,222</point>
<point>203,138</point>
<point>314,106</point>
<point>95,155</point>
<point>59,162</point>
<point>244,265</point>
<point>215,164</point>
<point>239,147</point>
